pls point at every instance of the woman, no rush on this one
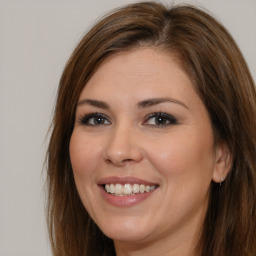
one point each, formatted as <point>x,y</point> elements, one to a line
<point>154,139</point>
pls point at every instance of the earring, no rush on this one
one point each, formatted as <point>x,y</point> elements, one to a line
<point>221,180</point>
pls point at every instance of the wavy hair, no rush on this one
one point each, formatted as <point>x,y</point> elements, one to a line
<point>221,78</point>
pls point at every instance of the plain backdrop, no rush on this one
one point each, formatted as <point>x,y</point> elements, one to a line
<point>36,39</point>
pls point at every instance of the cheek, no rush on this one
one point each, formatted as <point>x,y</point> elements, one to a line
<point>186,165</point>
<point>182,156</point>
<point>83,156</point>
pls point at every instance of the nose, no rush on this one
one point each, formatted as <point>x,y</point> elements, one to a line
<point>123,147</point>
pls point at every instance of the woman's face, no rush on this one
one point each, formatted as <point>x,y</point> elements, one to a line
<point>142,133</point>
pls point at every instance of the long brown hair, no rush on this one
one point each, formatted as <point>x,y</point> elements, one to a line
<point>221,77</point>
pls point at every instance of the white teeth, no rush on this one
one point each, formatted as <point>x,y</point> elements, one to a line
<point>118,189</point>
<point>128,189</point>
<point>112,188</point>
<point>107,188</point>
<point>142,188</point>
<point>136,188</point>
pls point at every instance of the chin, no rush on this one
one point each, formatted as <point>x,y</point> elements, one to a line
<point>127,231</point>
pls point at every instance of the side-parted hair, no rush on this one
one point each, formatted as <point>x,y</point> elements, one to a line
<point>221,78</point>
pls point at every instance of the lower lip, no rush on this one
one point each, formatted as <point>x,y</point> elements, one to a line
<point>124,201</point>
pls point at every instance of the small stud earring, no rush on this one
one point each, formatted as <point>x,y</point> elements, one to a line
<point>221,180</point>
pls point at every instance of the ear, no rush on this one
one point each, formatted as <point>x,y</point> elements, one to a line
<point>223,161</point>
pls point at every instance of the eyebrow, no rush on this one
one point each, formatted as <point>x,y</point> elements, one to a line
<point>154,101</point>
<point>95,103</point>
<point>142,104</point>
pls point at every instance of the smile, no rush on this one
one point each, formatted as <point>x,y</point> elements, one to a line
<point>128,189</point>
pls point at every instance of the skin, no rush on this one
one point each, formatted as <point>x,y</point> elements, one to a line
<point>180,157</point>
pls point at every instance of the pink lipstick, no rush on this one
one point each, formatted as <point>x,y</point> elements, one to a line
<point>125,191</point>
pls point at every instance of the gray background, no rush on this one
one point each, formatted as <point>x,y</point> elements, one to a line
<point>36,39</point>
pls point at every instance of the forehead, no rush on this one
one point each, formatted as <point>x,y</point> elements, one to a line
<point>141,70</point>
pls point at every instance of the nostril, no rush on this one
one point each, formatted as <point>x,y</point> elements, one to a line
<point>127,160</point>
<point>122,161</point>
<point>118,162</point>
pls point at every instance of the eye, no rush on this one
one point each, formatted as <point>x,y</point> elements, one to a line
<point>160,119</point>
<point>94,119</point>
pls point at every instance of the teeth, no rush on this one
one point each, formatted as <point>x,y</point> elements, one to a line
<point>136,188</point>
<point>142,188</point>
<point>118,189</point>
<point>128,189</point>
<point>112,188</point>
<point>107,187</point>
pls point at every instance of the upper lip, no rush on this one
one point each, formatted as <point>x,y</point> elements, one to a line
<point>124,180</point>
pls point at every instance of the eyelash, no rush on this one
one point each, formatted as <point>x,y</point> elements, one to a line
<point>167,119</point>
<point>84,120</point>
<point>171,120</point>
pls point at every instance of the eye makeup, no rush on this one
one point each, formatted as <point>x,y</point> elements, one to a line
<point>94,119</point>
